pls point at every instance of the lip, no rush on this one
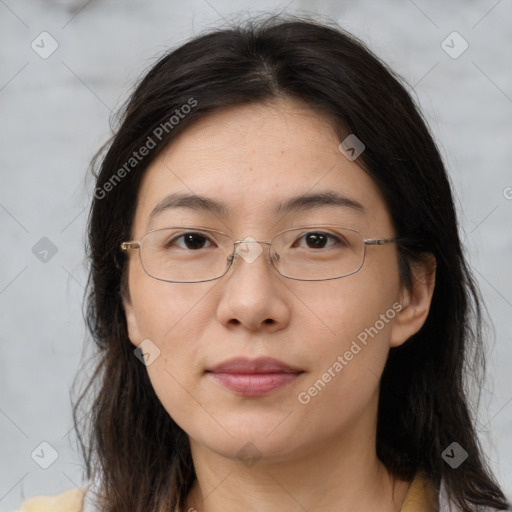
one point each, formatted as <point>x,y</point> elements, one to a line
<point>258,365</point>
<point>254,377</point>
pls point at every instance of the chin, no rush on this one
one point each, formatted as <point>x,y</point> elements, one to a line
<point>250,450</point>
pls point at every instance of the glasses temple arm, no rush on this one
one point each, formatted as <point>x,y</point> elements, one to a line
<point>126,246</point>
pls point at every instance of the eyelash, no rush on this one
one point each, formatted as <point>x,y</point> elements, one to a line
<point>170,242</point>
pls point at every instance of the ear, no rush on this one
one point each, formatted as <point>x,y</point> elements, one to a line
<point>132,324</point>
<point>415,302</point>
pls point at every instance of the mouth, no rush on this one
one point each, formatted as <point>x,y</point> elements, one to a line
<point>254,377</point>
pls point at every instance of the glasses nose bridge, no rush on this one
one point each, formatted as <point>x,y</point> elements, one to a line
<point>237,254</point>
<point>247,241</point>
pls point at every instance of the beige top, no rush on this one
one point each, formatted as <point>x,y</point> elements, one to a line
<point>421,497</point>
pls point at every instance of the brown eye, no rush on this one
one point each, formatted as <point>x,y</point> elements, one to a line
<point>190,240</point>
<point>317,240</point>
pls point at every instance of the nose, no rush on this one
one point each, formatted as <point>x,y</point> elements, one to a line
<point>252,293</point>
<point>250,249</point>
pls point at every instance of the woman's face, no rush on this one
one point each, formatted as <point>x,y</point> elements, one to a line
<point>249,159</point>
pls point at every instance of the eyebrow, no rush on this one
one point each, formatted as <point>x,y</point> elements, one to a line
<point>317,200</point>
<point>294,204</point>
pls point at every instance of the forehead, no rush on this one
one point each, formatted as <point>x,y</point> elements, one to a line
<point>253,157</point>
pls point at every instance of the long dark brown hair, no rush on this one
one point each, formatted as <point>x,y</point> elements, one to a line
<point>131,445</point>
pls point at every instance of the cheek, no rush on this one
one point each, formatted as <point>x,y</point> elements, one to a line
<point>343,309</point>
<point>162,308</point>
<point>174,318</point>
<point>343,384</point>
<point>355,315</point>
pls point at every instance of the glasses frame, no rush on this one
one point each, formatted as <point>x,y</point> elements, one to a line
<point>137,244</point>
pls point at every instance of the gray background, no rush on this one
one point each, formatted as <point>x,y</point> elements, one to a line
<point>55,114</point>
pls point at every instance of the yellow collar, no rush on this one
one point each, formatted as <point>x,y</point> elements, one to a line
<point>421,496</point>
<point>68,501</point>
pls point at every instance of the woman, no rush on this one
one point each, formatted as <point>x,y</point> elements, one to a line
<point>278,293</point>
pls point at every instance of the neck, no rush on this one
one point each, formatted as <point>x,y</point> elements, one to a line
<point>340,472</point>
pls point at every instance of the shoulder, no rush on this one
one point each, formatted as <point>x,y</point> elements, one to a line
<point>68,501</point>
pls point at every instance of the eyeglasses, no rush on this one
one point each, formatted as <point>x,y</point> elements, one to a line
<point>186,254</point>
